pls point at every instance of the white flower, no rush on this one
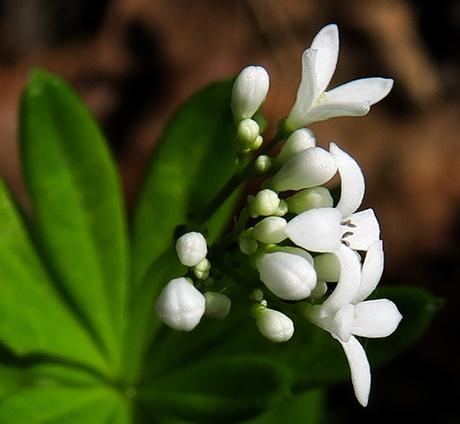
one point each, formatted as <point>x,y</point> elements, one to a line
<point>325,229</point>
<point>308,168</point>
<point>313,103</point>
<point>345,314</point>
<point>180,305</point>
<point>274,325</point>
<point>191,248</point>
<point>290,276</point>
<point>249,91</point>
<point>217,305</point>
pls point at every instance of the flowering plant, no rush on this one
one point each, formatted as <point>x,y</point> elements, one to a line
<point>84,295</point>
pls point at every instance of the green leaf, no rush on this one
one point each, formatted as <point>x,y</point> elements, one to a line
<point>221,390</point>
<point>33,319</point>
<point>59,404</point>
<point>76,197</point>
<point>192,161</point>
<point>306,408</point>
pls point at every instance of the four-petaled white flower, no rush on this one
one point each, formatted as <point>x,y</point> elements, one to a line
<point>325,229</point>
<point>313,103</point>
<point>345,313</point>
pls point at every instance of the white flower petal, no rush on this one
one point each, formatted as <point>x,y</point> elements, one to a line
<point>343,322</point>
<point>376,318</point>
<point>348,284</point>
<point>364,90</point>
<point>352,181</point>
<point>366,230</point>
<point>371,272</point>
<point>327,44</point>
<point>270,230</point>
<point>359,368</point>
<point>327,110</point>
<point>191,248</point>
<point>309,168</point>
<point>317,230</point>
<point>306,92</point>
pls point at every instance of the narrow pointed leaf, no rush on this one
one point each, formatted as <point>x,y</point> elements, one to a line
<point>77,202</point>
<point>33,319</point>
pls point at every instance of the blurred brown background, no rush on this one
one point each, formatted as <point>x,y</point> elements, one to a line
<point>134,61</point>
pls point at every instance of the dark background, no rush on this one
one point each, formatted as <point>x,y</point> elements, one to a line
<point>134,61</point>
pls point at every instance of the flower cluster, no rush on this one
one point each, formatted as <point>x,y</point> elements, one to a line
<point>316,258</point>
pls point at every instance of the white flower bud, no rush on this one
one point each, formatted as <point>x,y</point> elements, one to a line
<point>217,305</point>
<point>310,198</point>
<point>248,244</point>
<point>289,276</point>
<point>309,168</point>
<point>247,133</point>
<point>327,267</point>
<point>282,208</point>
<point>270,230</point>
<point>249,91</point>
<point>191,248</point>
<point>274,325</point>
<point>266,202</point>
<point>257,142</point>
<point>262,164</point>
<point>201,270</point>
<point>180,305</point>
<point>297,142</point>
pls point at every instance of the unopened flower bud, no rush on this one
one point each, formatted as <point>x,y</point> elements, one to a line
<point>257,142</point>
<point>274,325</point>
<point>248,244</point>
<point>249,91</point>
<point>310,198</point>
<point>217,305</point>
<point>282,208</point>
<point>247,133</point>
<point>266,202</point>
<point>327,267</point>
<point>262,164</point>
<point>297,142</point>
<point>180,305</point>
<point>289,276</point>
<point>191,248</point>
<point>201,270</point>
<point>309,168</point>
<point>270,230</point>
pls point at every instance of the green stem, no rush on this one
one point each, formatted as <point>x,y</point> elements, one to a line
<point>235,181</point>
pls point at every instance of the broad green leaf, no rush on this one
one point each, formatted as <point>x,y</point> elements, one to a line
<point>13,379</point>
<point>315,358</point>
<point>144,323</point>
<point>225,389</point>
<point>77,202</point>
<point>33,319</point>
<point>192,161</point>
<point>306,408</point>
<point>59,404</point>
